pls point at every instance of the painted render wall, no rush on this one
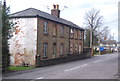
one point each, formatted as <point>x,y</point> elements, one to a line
<point>24,41</point>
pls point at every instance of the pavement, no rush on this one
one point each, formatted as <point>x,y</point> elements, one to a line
<point>98,67</point>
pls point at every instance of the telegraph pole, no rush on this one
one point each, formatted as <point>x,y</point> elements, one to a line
<point>91,40</point>
<point>91,36</point>
<point>91,31</point>
<point>99,44</point>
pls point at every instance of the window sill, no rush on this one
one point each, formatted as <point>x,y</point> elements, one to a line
<point>61,55</point>
<point>71,38</point>
<point>69,54</point>
<point>54,36</point>
<point>61,36</point>
<point>45,57</point>
<point>46,34</point>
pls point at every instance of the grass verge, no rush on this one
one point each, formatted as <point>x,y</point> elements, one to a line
<point>14,68</point>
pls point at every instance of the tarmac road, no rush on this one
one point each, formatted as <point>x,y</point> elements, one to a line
<point>98,67</point>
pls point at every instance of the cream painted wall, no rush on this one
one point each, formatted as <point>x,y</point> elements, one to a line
<point>23,43</point>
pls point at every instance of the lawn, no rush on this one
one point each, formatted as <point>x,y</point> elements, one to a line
<point>13,68</point>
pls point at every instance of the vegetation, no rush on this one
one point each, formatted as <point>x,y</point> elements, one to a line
<point>102,52</point>
<point>0,36</point>
<point>14,68</point>
<point>95,31</point>
<point>95,51</point>
<point>6,35</point>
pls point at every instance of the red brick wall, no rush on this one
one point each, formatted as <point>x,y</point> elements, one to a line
<point>50,39</point>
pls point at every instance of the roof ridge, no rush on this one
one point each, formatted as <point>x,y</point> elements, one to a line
<point>19,11</point>
<point>32,12</point>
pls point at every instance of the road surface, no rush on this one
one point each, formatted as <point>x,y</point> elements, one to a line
<point>97,67</point>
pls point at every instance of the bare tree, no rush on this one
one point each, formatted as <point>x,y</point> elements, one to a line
<point>104,34</point>
<point>93,21</point>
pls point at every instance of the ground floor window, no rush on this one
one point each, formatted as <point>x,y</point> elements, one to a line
<point>80,47</point>
<point>61,49</point>
<point>54,49</point>
<point>76,47</point>
<point>71,48</point>
<point>45,49</point>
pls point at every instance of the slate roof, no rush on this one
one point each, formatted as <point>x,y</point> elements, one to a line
<point>31,12</point>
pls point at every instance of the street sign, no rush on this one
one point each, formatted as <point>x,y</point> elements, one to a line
<point>101,48</point>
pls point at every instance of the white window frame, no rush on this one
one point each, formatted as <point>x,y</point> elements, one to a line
<point>45,27</point>
<point>76,35</point>
<point>45,49</point>
<point>71,48</point>
<point>54,49</point>
<point>71,33</point>
<point>54,31</point>
<point>62,30</point>
<point>80,35</point>
<point>80,48</point>
<point>61,49</point>
<point>76,47</point>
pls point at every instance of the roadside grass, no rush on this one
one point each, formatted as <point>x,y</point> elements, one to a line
<point>15,68</point>
<point>97,54</point>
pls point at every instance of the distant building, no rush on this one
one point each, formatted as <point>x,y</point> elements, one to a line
<point>109,44</point>
<point>44,36</point>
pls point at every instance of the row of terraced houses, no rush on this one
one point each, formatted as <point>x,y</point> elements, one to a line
<point>43,35</point>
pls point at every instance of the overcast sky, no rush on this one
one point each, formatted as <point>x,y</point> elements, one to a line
<point>75,11</point>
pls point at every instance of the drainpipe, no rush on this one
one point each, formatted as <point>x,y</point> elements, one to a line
<point>83,41</point>
<point>37,59</point>
<point>69,40</point>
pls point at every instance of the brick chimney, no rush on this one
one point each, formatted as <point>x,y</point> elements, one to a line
<point>55,11</point>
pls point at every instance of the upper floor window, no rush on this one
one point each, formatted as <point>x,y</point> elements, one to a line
<point>45,27</point>
<point>55,30</point>
<point>62,31</point>
<point>45,49</point>
<point>76,34</point>
<point>80,35</point>
<point>71,33</point>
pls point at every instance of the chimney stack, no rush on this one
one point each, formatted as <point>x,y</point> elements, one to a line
<point>55,11</point>
<point>4,4</point>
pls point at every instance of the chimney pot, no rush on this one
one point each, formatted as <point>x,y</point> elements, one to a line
<point>54,6</point>
<point>57,6</point>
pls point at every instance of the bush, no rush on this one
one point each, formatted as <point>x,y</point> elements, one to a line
<point>106,51</point>
<point>96,52</point>
<point>103,52</point>
<point>110,51</point>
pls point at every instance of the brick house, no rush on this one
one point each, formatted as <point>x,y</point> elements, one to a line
<point>43,35</point>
